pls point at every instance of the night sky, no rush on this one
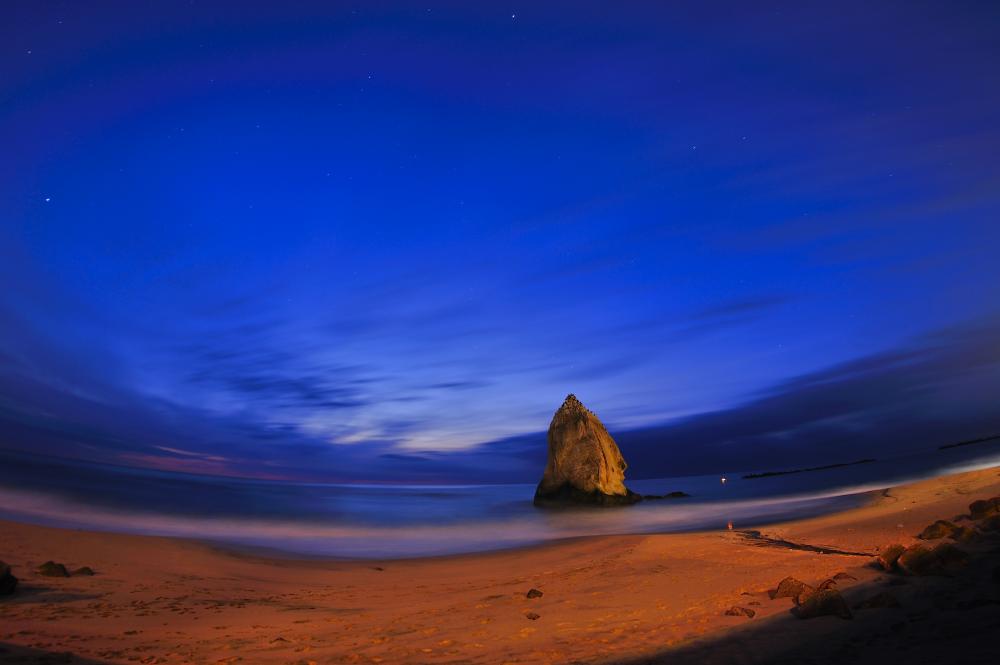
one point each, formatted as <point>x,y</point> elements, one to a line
<point>367,241</point>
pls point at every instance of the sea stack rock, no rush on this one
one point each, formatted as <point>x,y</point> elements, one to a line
<point>585,465</point>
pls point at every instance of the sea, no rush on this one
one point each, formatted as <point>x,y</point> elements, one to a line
<point>383,521</point>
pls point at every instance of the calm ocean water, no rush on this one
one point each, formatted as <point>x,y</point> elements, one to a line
<point>386,521</point>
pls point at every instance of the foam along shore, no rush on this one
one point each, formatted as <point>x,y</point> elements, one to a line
<point>695,597</point>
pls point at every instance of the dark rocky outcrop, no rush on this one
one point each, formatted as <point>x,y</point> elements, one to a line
<point>940,529</point>
<point>584,464</point>
<point>670,495</point>
<point>990,524</point>
<point>828,602</point>
<point>790,588</point>
<point>984,508</point>
<point>827,584</point>
<point>534,593</point>
<point>736,611</point>
<point>52,569</point>
<point>84,570</point>
<point>946,529</point>
<point>532,616</point>
<point>888,556</point>
<point>8,583</point>
<point>951,557</point>
<point>920,561</point>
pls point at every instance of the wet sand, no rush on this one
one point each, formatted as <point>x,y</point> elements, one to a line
<point>622,599</point>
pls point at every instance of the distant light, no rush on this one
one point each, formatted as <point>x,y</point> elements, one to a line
<point>723,479</point>
<point>47,199</point>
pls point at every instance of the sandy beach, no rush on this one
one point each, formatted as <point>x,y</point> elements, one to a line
<point>631,599</point>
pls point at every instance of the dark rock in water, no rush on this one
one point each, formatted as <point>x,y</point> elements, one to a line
<point>736,611</point>
<point>790,588</point>
<point>532,616</point>
<point>7,580</point>
<point>671,495</point>
<point>824,603</point>
<point>534,593</point>
<point>84,570</point>
<point>880,600</point>
<point>52,569</point>
<point>889,555</point>
<point>584,463</point>
<point>985,508</point>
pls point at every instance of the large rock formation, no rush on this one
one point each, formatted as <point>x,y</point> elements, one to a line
<point>585,465</point>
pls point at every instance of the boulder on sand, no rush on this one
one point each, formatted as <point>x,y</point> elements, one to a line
<point>584,464</point>
<point>991,523</point>
<point>888,556</point>
<point>985,508</point>
<point>951,557</point>
<point>737,611</point>
<point>7,580</point>
<point>52,569</point>
<point>790,588</point>
<point>940,529</point>
<point>920,561</point>
<point>828,583</point>
<point>824,603</point>
<point>946,529</point>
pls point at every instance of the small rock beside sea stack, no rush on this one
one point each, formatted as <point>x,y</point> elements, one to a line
<point>584,465</point>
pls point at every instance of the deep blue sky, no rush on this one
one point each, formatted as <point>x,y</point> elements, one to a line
<point>361,240</point>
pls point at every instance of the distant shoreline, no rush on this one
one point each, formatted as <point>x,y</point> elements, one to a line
<point>969,442</point>
<point>766,474</point>
<point>784,472</point>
